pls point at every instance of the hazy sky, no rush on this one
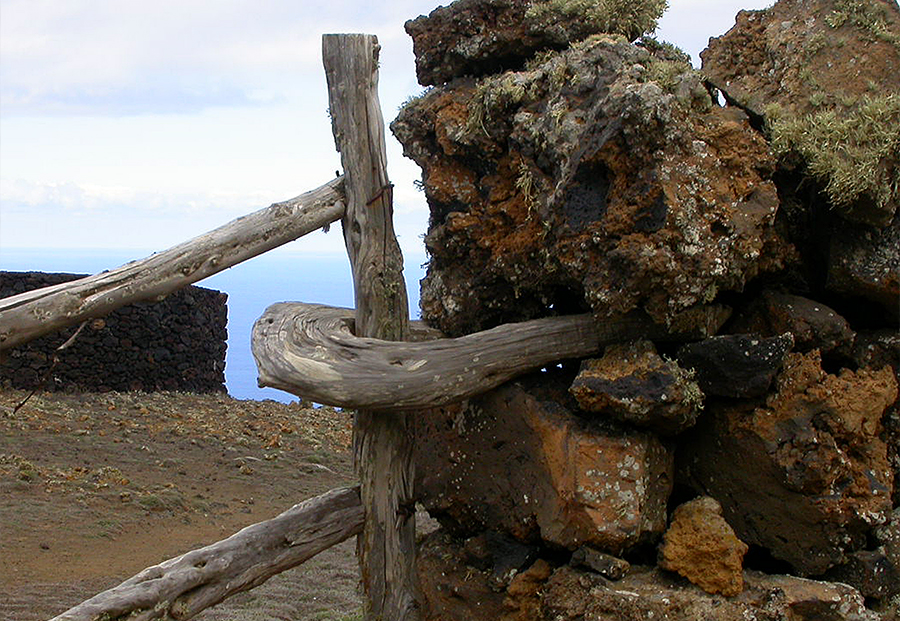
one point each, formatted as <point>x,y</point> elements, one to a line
<point>131,124</point>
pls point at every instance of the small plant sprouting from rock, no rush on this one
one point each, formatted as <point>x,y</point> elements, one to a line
<point>525,184</point>
<point>853,152</point>
<point>631,18</point>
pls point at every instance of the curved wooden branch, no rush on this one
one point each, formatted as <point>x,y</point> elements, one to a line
<point>182,587</point>
<point>28,315</point>
<point>310,350</point>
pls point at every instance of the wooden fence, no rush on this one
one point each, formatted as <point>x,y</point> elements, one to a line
<point>363,359</point>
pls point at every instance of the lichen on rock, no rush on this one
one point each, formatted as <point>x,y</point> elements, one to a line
<point>600,177</point>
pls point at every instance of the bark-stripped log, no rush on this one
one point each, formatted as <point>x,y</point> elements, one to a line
<point>382,441</point>
<point>28,315</point>
<point>182,587</point>
<point>311,351</point>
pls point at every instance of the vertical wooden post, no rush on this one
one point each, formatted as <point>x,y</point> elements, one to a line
<point>382,440</point>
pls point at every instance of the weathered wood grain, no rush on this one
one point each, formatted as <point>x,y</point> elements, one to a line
<point>382,441</point>
<point>35,313</point>
<point>182,587</point>
<point>310,350</point>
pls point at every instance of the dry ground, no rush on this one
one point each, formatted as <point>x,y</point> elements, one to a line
<point>95,487</point>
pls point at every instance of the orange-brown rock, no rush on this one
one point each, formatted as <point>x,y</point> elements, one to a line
<point>701,546</point>
<point>523,595</point>
<point>599,177</point>
<point>635,385</point>
<point>805,54</point>
<point>806,475</point>
<point>822,77</point>
<point>510,462</point>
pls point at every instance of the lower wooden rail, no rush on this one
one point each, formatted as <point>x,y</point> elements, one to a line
<point>182,587</point>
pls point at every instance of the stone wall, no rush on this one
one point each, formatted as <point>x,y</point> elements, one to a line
<point>175,344</point>
<point>747,467</point>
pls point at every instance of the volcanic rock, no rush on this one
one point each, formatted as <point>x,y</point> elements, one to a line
<point>633,384</point>
<point>477,37</point>
<point>572,595</point>
<point>865,262</point>
<point>523,600</point>
<point>806,54</point>
<point>735,365</point>
<point>451,589</point>
<point>600,177</point>
<point>701,546</point>
<point>606,565</point>
<point>806,476</point>
<point>511,463</point>
<point>812,324</point>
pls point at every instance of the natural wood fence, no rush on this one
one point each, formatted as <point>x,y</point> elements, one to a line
<point>28,315</point>
<point>182,587</point>
<point>361,359</point>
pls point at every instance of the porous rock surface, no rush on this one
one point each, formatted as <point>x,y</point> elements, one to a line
<point>820,62</point>
<point>600,177</point>
<point>477,37</point>
<point>701,546</point>
<point>735,365</point>
<point>530,468</point>
<point>815,448</point>
<point>812,324</point>
<point>545,591</point>
<point>633,384</point>
<point>570,171</point>
<point>804,54</point>
<point>571,595</point>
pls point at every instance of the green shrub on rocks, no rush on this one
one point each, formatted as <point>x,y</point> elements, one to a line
<point>854,152</point>
<point>631,18</point>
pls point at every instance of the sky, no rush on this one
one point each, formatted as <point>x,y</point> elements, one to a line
<point>128,124</point>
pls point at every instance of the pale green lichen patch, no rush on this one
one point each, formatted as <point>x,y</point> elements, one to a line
<point>630,18</point>
<point>854,152</point>
<point>869,16</point>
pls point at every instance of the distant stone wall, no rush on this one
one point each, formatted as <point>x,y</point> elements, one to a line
<point>176,344</point>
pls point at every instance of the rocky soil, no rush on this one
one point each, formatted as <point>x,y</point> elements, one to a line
<point>95,487</point>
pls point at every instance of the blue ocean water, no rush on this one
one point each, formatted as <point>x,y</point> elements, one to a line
<point>277,276</point>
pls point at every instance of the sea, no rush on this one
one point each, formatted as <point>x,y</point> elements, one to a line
<point>276,276</point>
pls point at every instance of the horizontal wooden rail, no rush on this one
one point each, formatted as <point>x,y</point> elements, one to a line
<point>182,587</point>
<point>28,315</point>
<point>310,350</point>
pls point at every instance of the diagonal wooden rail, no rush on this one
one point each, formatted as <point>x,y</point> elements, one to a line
<point>182,587</point>
<point>32,314</point>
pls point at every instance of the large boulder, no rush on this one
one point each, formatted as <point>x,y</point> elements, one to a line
<point>805,476</point>
<point>478,37</point>
<point>806,55</point>
<point>510,462</point>
<point>823,77</point>
<point>600,177</point>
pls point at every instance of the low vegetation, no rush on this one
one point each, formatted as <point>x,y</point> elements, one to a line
<point>854,152</point>
<point>631,18</point>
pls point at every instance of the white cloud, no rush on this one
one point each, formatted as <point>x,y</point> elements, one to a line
<point>136,124</point>
<point>126,57</point>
